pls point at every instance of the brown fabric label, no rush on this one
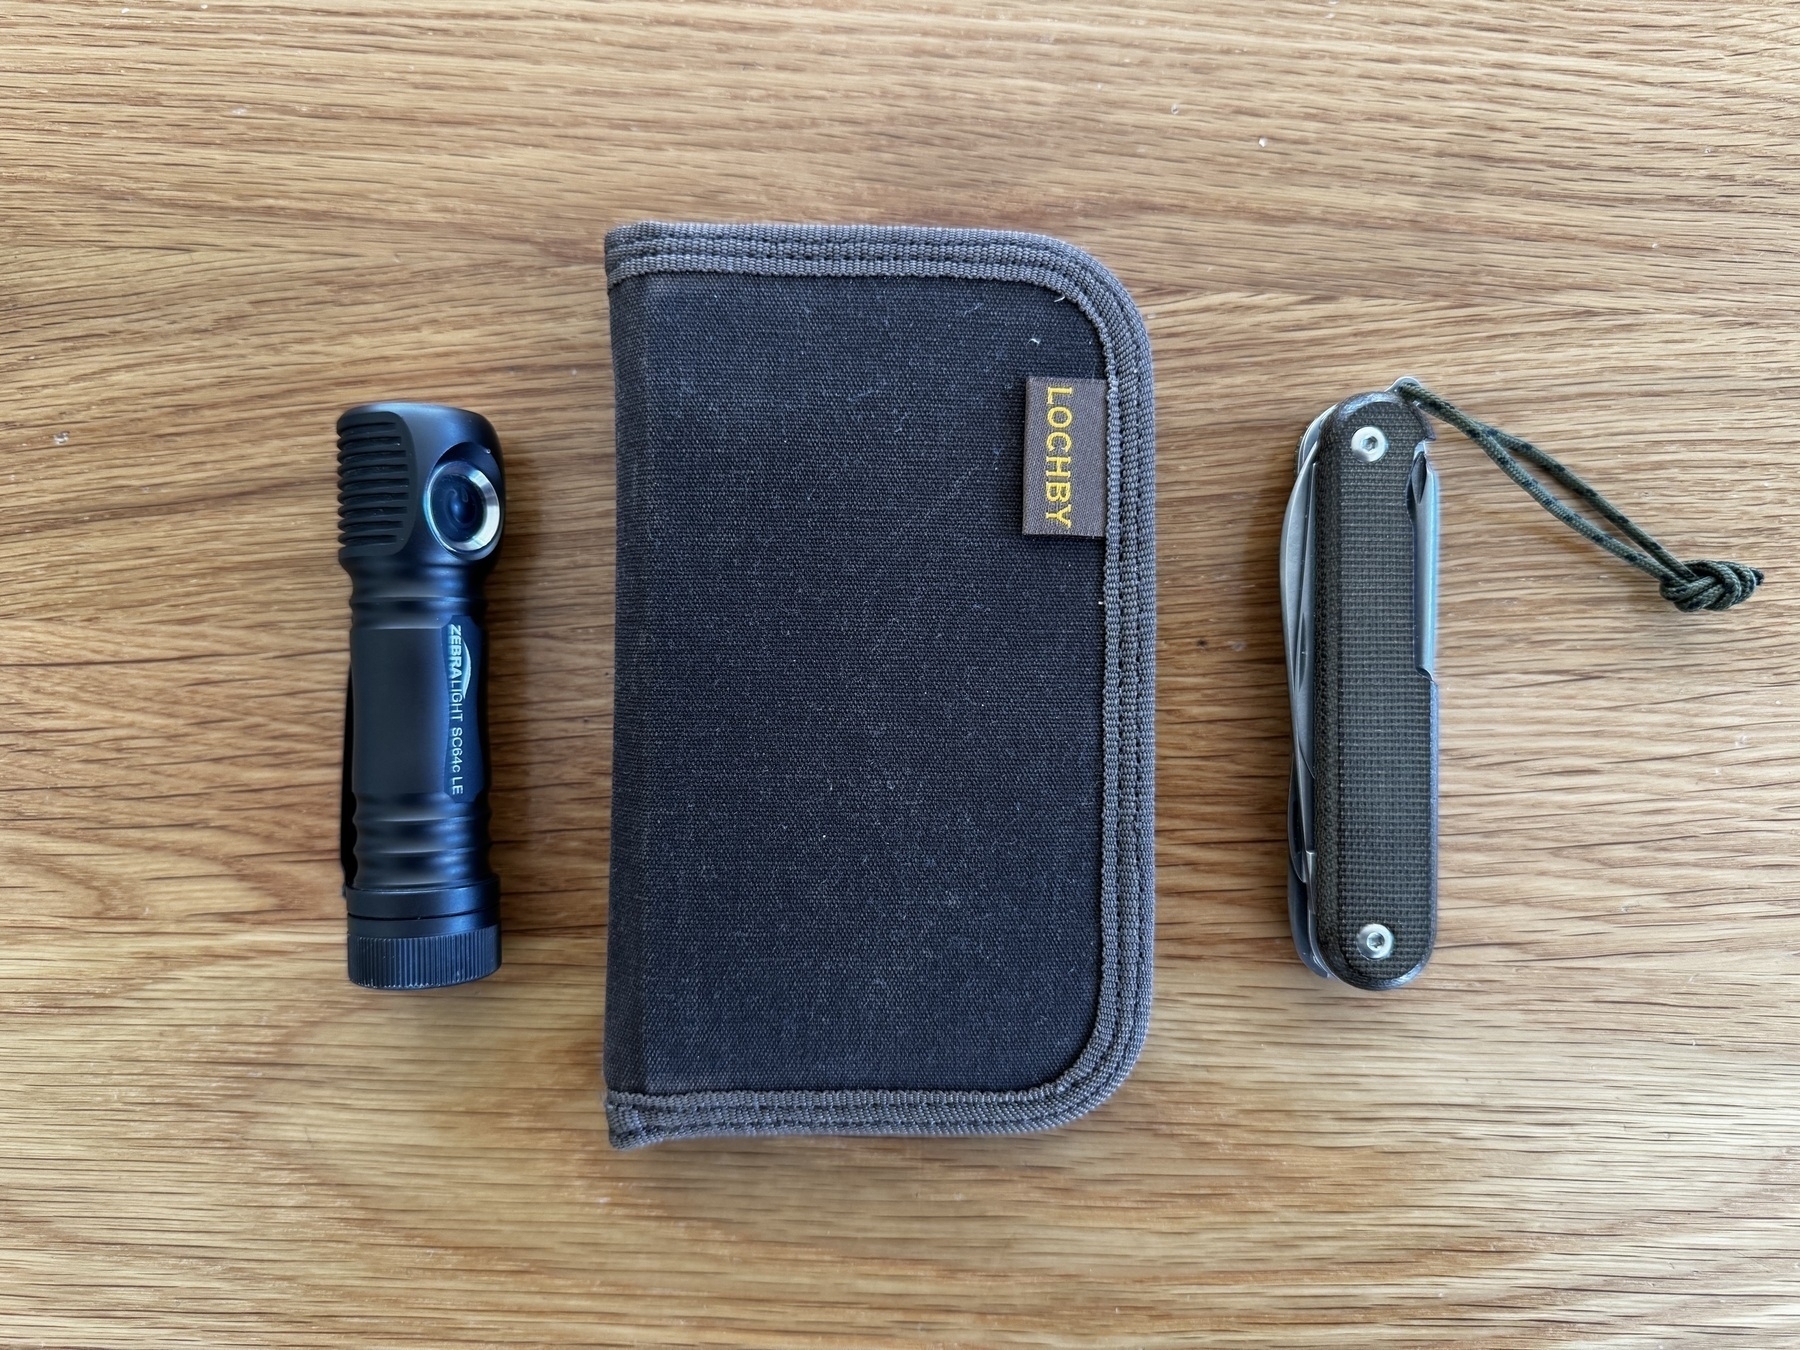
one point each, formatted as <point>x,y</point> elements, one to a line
<point>1065,457</point>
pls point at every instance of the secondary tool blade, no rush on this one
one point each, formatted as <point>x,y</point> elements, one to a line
<point>1296,615</point>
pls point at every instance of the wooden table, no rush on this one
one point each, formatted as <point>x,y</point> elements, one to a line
<point>224,222</point>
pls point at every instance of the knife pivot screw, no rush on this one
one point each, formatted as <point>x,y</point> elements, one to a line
<point>1370,443</point>
<point>1374,940</point>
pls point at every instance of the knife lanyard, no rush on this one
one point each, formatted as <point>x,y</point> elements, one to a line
<point>1691,584</point>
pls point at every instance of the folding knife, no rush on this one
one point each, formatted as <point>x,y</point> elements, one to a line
<point>1359,583</point>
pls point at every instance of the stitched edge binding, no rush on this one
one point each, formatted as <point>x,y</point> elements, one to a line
<point>1127,878</point>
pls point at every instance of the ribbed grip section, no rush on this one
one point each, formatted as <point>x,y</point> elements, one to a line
<point>428,962</point>
<point>372,480</point>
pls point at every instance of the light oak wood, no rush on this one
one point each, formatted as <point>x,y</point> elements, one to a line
<point>223,222</point>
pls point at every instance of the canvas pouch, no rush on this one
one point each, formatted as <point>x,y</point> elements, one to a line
<point>882,794</point>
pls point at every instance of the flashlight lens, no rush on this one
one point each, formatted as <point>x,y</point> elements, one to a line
<point>462,508</point>
<point>458,506</point>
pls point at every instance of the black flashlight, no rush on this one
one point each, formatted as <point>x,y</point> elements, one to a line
<point>420,501</point>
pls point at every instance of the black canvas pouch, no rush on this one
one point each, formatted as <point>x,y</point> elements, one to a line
<point>882,764</point>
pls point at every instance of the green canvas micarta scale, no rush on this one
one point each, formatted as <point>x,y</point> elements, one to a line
<point>1359,591</point>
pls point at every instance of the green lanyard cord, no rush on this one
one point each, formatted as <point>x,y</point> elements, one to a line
<point>1698,583</point>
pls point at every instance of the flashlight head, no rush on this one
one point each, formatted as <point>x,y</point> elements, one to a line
<point>418,482</point>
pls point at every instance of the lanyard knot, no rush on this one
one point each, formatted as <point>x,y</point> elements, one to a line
<point>1711,584</point>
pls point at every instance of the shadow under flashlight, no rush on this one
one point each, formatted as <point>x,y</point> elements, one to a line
<point>420,504</point>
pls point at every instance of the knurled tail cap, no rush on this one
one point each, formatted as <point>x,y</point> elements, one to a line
<point>427,962</point>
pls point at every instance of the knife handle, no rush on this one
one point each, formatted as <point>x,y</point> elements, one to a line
<point>1375,710</point>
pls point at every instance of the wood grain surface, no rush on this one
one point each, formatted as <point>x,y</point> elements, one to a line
<point>223,222</point>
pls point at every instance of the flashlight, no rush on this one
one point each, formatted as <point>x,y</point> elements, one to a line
<point>420,502</point>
